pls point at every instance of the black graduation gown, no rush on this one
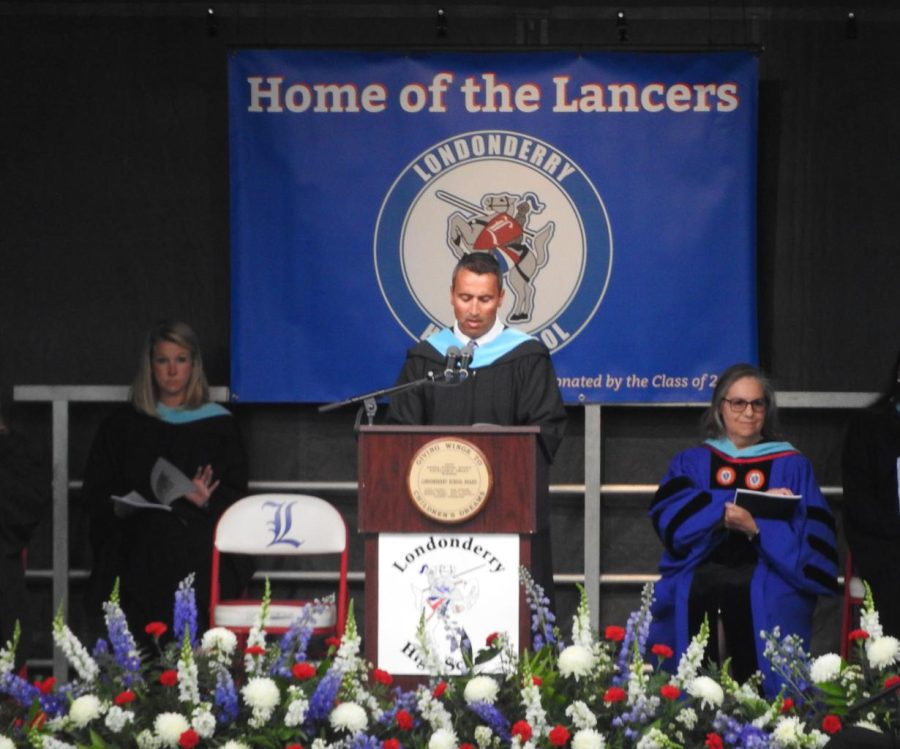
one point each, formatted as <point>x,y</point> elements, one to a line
<point>518,389</point>
<point>870,507</point>
<point>24,498</point>
<point>151,551</point>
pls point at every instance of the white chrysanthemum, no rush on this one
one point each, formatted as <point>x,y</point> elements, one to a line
<point>483,736</point>
<point>706,690</point>
<point>825,668</point>
<point>481,689</point>
<point>235,744</point>
<point>588,738</point>
<point>220,640</point>
<point>883,651</point>
<point>6,743</point>
<point>203,722</point>
<point>117,718</point>
<point>350,717</point>
<point>581,715</point>
<point>48,742</point>
<point>653,739</point>
<point>296,712</point>
<point>443,738</point>
<point>85,709</point>
<point>787,732</point>
<point>575,661</point>
<point>687,717</point>
<point>147,740</point>
<point>169,727</point>
<point>261,693</point>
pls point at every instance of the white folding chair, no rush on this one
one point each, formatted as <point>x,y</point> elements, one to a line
<point>280,525</point>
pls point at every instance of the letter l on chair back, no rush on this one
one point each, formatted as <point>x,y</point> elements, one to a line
<point>279,525</point>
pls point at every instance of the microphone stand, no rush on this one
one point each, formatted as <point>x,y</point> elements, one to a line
<point>369,400</point>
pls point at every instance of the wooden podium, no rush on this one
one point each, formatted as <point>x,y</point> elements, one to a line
<point>517,501</point>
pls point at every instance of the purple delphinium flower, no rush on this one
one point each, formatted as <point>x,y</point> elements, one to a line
<point>493,718</point>
<point>293,644</point>
<point>19,689</point>
<point>185,611</point>
<point>226,699</point>
<point>101,648</point>
<point>542,618</point>
<point>364,741</point>
<point>57,702</point>
<point>322,700</point>
<point>401,701</point>
<point>637,630</point>
<point>123,645</point>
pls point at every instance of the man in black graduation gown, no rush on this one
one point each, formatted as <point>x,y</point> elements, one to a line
<point>511,378</point>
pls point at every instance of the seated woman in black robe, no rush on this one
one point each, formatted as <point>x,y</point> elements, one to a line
<point>152,550</point>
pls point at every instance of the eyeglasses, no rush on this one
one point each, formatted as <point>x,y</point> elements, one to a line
<point>739,405</point>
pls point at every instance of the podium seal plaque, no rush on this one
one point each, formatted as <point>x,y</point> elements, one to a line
<point>449,480</point>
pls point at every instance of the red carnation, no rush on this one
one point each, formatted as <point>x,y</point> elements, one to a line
<point>404,720</point>
<point>169,678</point>
<point>390,744</point>
<point>858,634</point>
<point>891,681</point>
<point>714,741</point>
<point>123,698</point>
<point>439,690</point>
<point>787,705</point>
<point>466,746</point>
<point>831,724</point>
<point>670,691</point>
<point>559,735</point>
<point>491,638</point>
<point>293,746</point>
<point>537,680</point>
<point>522,729</point>
<point>614,694</point>
<point>333,642</point>
<point>303,671</point>
<point>614,633</point>
<point>255,650</point>
<point>189,739</point>
<point>382,677</point>
<point>46,686</point>
<point>663,651</point>
<point>156,629</point>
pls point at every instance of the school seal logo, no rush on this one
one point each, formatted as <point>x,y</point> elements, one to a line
<point>509,194</point>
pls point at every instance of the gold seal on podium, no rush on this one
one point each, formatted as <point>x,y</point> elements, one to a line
<point>449,480</point>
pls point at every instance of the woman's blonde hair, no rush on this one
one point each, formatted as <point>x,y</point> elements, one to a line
<point>144,391</point>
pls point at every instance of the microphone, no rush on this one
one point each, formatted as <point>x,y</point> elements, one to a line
<point>453,356</point>
<point>465,357</point>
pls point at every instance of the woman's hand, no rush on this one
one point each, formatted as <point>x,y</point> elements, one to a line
<point>739,519</point>
<point>204,486</point>
<point>781,490</point>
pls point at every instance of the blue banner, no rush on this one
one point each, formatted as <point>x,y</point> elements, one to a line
<point>618,190</point>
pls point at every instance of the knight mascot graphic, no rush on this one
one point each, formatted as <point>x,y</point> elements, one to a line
<point>500,226</point>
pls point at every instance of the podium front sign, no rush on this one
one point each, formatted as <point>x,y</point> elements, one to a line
<point>460,585</point>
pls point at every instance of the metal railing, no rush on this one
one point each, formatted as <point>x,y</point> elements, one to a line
<point>60,396</point>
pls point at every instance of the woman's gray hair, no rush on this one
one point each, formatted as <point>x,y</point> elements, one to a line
<point>144,390</point>
<point>711,423</point>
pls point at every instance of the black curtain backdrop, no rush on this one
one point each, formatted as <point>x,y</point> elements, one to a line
<point>115,212</point>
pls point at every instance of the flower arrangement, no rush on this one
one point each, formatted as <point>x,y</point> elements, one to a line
<point>602,690</point>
